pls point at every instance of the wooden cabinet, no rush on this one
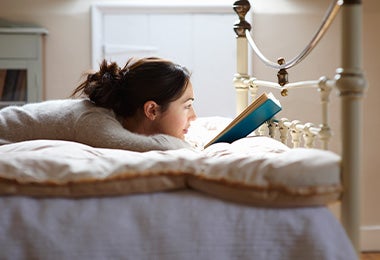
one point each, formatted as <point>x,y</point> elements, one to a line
<point>21,79</point>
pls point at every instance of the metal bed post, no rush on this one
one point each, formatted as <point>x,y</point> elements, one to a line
<point>241,7</point>
<point>351,84</point>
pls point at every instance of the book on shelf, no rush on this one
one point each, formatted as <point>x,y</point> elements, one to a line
<point>13,84</point>
<point>3,74</point>
<point>9,85</point>
<point>258,112</point>
<point>19,93</point>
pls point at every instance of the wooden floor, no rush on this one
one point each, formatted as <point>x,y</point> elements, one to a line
<point>370,256</point>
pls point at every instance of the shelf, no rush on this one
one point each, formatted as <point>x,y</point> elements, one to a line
<point>20,64</point>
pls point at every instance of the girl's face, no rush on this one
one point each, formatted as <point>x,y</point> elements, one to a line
<point>175,121</point>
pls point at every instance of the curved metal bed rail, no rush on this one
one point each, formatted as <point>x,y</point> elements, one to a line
<point>326,22</point>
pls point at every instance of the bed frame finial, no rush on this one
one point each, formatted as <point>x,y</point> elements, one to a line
<point>241,7</point>
<point>282,74</point>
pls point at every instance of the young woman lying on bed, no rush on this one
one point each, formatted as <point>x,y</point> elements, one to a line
<point>147,105</point>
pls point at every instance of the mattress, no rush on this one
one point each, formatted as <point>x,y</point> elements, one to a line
<point>165,225</point>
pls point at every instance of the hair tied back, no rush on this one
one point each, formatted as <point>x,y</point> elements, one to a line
<point>106,77</point>
<point>125,72</point>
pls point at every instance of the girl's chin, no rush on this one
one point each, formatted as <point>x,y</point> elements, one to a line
<point>181,136</point>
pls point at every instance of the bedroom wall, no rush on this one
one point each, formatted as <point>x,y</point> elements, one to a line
<point>283,31</point>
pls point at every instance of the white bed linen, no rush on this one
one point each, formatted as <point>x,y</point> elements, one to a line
<point>171,225</point>
<point>260,166</point>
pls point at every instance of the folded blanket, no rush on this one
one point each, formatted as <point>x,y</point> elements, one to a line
<point>253,170</point>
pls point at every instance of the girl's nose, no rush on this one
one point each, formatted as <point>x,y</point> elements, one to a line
<point>193,115</point>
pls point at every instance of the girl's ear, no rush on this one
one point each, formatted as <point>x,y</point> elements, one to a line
<point>151,109</point>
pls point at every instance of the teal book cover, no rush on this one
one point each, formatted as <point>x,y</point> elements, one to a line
<point>259,111</point>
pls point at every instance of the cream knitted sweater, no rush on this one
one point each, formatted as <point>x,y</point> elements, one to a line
<point>77,120</point>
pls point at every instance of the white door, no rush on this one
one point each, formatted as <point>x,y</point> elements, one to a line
<point>201,39</point>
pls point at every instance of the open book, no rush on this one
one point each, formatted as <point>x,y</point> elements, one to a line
<point>260,110</point>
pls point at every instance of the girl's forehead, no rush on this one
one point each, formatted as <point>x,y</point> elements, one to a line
<point>188,90</point>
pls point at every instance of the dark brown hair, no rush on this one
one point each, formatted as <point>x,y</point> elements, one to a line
<point>125,90</point>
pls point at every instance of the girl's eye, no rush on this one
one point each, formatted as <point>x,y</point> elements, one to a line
<point>188,106</point>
